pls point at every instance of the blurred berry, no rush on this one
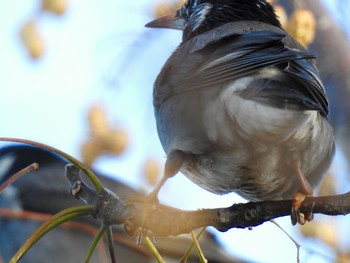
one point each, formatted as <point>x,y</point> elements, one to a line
<point>302,26</point>
<point>32,39</point>
<point>57,7</point>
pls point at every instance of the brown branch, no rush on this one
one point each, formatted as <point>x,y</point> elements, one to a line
<point>28,169</point>
<point>165,221</point>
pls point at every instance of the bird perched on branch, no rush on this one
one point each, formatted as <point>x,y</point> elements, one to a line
<point>240,106</point>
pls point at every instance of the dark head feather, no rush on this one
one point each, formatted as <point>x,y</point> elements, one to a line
<point>204,15</point>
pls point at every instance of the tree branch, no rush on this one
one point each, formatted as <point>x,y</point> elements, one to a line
<point>165,221</point>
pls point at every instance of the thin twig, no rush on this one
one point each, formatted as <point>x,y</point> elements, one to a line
<point>95,181</point>
<point>110,244</point>
<point>290,237</point>
<point>28,169</point>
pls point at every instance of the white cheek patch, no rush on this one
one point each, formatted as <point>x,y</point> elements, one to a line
<point>260,3</point>
<point>199,15</point>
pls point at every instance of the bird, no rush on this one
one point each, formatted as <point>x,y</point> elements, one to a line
<point>240,105</point>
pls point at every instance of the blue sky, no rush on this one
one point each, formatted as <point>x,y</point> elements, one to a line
<point>88,47</point>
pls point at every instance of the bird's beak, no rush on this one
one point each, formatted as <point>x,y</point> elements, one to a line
<point>170,21</point>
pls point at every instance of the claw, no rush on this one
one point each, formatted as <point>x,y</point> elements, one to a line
<point>141,235</point>
<point>296,215</point>
<point>309,215</point>
<point>298,198</point>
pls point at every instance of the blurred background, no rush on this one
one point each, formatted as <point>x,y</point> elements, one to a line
<point>78,75</point>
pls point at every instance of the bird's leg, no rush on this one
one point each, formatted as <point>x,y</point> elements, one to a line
<point>173,164</point>
<point>304,191</point>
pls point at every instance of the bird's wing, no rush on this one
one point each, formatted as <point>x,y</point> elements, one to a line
<point>198,64</point>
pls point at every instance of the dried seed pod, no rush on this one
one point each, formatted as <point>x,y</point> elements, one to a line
<point>327,233</point>
<point>328,185</point>
<point>302,26</point>
<point>57,7</point>
<point>179,4</point>
<point>342,257</point>
<point>98,122</point>
<point>309,230</point>
<point>104,139</point>
<point>151,170</point>
<point>116,142</point>
<point>32,39</point>
<point>166,7</point>
<point>162,9</point>
<point>282,15</point>
<point>90,151</point>
<point>323,230</point>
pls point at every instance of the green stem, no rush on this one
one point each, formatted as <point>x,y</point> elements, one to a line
<point>199,250</point>
<point>154,250</point>
<point>97,238</point>
<point>97,184</point>
<point>188,252</point>
<point>48,225</point>
<point>111,245</point>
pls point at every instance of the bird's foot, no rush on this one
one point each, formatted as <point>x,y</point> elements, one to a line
<point>296,216</point>
<point>173,164</point>
<point>150,203</point>
<point>305,190</point>
<point>152,197</point>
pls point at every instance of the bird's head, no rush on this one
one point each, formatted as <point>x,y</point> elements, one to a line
<point>198,16</point>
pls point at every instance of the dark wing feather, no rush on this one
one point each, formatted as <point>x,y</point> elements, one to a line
<point>307,73</point>
<point>198,64</point>
<point>280,91</point>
